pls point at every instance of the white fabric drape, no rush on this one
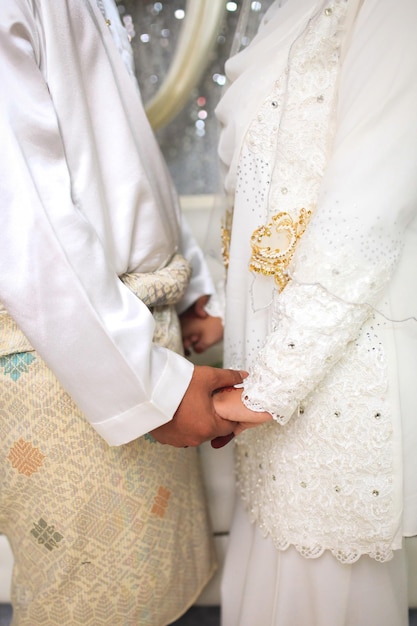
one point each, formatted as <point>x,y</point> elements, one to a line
<point>86,197</point>
<point>266,587</point>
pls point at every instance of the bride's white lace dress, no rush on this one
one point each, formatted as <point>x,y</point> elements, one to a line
<point>322,242</point>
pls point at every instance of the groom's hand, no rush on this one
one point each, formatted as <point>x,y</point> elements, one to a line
<point>196,420</point>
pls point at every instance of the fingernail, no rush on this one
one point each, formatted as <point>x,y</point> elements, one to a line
<point>219,442</point>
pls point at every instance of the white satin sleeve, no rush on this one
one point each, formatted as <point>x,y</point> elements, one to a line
<point>347,257</point>
<point>55,277</point>
<point>201,282</point>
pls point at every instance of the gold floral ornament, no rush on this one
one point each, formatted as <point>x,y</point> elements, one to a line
<point>273,245</point>
<point>226,234</point>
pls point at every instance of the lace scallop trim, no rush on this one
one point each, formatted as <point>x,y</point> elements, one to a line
<point>324,481</point>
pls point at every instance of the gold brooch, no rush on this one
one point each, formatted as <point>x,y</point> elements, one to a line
<point>273,245</point>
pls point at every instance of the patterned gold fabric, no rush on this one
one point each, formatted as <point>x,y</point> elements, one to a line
<point>115,536</point>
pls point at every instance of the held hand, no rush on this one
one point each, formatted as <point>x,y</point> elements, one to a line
<point>198,308</point>
<point>196,420</point>
<point>200,330</point>
<point>190,322</point>
<point>228,403</point>
<point>200,334</point>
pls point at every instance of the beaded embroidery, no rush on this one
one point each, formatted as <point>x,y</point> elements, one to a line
<point>320,476</point>
<point>226,230</point>
<point>273,245</point>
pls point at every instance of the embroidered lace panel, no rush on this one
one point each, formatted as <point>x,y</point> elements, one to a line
<point>324,478</point>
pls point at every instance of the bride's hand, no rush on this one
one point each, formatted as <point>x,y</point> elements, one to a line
<point>228,404</point>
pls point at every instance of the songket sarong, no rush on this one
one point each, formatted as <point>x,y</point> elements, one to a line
<point>101,535</point>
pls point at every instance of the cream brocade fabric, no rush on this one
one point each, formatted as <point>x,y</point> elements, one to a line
<point>324,479</point>
<point>101,535</point>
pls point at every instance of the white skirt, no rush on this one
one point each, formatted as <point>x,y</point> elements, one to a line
<point>265,587</point>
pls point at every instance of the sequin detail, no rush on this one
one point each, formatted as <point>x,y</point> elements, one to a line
<point>319,369</point>
<point>273,245</point>
<point>225,236</point>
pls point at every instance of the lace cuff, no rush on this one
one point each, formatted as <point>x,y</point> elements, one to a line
<point>306,343</point>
